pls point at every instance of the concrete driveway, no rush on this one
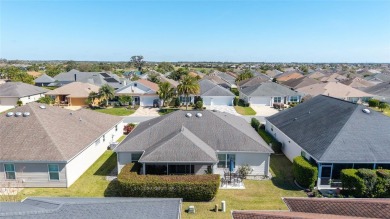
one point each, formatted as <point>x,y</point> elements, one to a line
<point>226,109</point>
<point>145,111</point>
<point>264,110</point>
<point>5,108</point>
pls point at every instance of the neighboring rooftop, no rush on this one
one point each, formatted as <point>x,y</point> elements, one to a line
<point>19,89</point>
<point>380,91</point>
<point>334,130</point>
<point>333,78</point>
<point>209,88</point>
<point>44,78</point>
<point>75,89</point>
<point>230,133</point>
<point>288,76</point>
<point>333,89</point>
<point>96,78</point>
<point>50,134</point>
<point>300,82</point>
<point>140,208</point>
<point>268,89</point>
<point>253,81</point>
<point>358,83</point>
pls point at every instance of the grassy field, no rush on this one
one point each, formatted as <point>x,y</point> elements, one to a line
<point>117,111</point>
<point>246,111</point>
<point>258,195</point>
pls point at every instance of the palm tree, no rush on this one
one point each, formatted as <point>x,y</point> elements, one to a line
<point>165,92</point>
<point>106,92</point>
<point>188,85</point>
<point>91,98</point>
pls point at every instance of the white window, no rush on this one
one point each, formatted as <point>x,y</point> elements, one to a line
<point>104,138</point>
<point>54,173</point>
<point>116,128</point>
<point>277,99</point>
<point>224,160</point>
<point>9,171</point>
<point>294,99</point>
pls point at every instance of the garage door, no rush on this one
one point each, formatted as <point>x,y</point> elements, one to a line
<point>8,101</point>
<point>264,101</point>
<point>218,101</point>
<point>147,101</point>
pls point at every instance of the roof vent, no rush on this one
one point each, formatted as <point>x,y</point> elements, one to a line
<point>25,114</point>
<point>71,113</point>
<point>9,114</point>
<point>198,115</point>
<point>214,110</point>
<point>366,111</point>
<point>17,114</point>
<point>42,106</point>
<point>189,115</point>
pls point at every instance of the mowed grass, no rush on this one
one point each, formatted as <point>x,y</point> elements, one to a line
<point>385,112</point>
<point>116,111</point>
<point>246,111</point>
<point>92,183</point>
<point>258,195</point>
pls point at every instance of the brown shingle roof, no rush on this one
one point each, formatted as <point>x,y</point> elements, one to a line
<point>149,84</point>
<point>288,76</point>
<point>284,215</point>
<point>369,208</point>
<point>51,134</point>
<point>75,89</point>
<point>333,89</point>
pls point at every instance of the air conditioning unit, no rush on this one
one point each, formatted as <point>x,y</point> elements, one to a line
<point>113,145</point>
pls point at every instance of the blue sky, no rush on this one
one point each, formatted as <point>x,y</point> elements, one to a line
<point>261,31</point>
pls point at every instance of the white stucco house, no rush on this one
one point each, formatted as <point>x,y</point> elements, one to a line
<point>144,92</point>
<point>47,146</point>
<point>12,92</point>
<point>333,134</point>
<point>267,93</point>
<point>190,142</point>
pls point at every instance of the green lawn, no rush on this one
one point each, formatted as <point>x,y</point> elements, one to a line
<point>246,111</point>
<point>385,112</point>
<point>117,111</point>
<point>121,138</point>
<point>258,195</point>
<point>91,184</point>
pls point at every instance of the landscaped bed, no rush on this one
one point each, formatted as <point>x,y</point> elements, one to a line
<point>245,110</point>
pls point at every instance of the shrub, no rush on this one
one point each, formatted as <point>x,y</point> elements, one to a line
<point>19,103</point>
<point>198,98</point>
<point>188,187</point>
<point>241,102</point>
<point>128,128</point>
<point>369,178</point>
<point>304,172</point>
<point>45,99</point>
<point>276,146</point>
<point>382,186</point>
<point>255,123</point>
<point>235,101</point>
<point>373,103</point>
<point>245,170</point>
<point>235,91</point>
<point>177,102</point>
<point>352,182</point>
<point>199,105</point>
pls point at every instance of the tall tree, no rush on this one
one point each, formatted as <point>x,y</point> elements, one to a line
<point>188,85</point>
<point>179,73</point>
<point>165,92</point>
<point>153,77</point>
<point>138,62</point>
<point>165,67</point>
<point>244,75</point>
<point>70,65</point>
<point>106,92</point>
<point>91,98</point>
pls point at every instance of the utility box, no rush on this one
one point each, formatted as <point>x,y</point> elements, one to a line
<point>223,206</point>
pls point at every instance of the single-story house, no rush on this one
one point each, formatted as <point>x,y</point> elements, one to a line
<point>316,75</point>
<point>299,82</point>
<point>96,78</point>
<point>43,80</point>
<point>56,207</point>
<point>143,91</point>
<point>335,89</point>
<point>333,78</point>
<point>191,142</point>
<point>214,94</point>
<point>317,208</point>
<point>224,79</point>
<point>47,146</point>
<point>73,94</point>
<point>334,134</point>
<point>378,78</point>
<point>268,93</point>
<point>380,91</point>
<point>358,83</point>
<point>12,92</point>
<point>252,81</point>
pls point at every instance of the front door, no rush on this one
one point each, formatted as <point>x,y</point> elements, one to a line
<point>326,173</point>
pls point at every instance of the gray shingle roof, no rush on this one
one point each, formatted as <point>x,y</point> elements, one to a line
<point>51,134</point>
<point>140,208</point>
<point>44,79</point>
<point>219,131</point>
<point>268,89</point>
<point>19,89</point>
<point>381,91</point>
<point>333,130</point>
<point>96,78</point>
<point>208,88</point>
<point>300,82</point>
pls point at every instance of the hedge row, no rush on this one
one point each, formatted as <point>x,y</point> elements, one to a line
<point>366,183</point>
<point>304,172</point>
<point>188,187</point>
